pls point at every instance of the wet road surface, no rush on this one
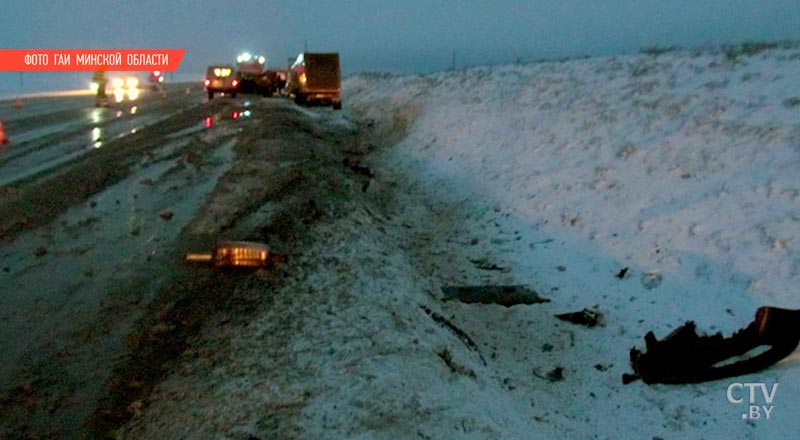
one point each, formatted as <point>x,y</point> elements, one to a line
<point>96,208</point>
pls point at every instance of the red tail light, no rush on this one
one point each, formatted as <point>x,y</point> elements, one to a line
<point>235,115</point>
<point>207,82</point>
<point>209,122</point>
<point>235,83</point>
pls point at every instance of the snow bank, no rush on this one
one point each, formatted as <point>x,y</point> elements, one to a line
<point>680,167</point>
<point>661,162</point>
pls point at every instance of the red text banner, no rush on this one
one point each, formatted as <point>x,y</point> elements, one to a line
<point>62,60</point>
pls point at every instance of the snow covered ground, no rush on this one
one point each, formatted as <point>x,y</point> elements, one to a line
<point>680,167</point>
<point>660,162</point>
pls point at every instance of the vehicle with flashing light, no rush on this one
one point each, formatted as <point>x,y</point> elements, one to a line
<point>253,75</point>
<point>221,78</point>
<point>123,87</point>
<point>314,78</point>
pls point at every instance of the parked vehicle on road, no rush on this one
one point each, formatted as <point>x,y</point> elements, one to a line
<point>221,79</point>
<point>314,78</point>
<point>124,87</point>
<point>253,76</point>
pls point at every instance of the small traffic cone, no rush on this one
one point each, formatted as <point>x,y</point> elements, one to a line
<point>3,138</point>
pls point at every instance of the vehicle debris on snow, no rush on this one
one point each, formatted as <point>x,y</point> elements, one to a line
<point>235,254</point>
<point>491,294</point>
<point>586,317</point>
<point>685,357</point>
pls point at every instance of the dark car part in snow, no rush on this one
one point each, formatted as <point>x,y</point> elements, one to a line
<point>503,295</point>
<point>587,317</point>
<point>228,254</point>
<point>485,264</point>
<point>554,375</point>
<point>684,357</point>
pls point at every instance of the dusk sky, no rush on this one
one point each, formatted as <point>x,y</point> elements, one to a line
<point>394,35</point>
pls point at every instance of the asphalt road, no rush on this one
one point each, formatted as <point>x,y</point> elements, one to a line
<point>46,133</point>
<point>97,207</point>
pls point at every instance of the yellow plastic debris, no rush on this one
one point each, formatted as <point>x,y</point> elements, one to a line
<point>234,254</point>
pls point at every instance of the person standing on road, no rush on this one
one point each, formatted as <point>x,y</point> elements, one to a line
<point>99,78</point>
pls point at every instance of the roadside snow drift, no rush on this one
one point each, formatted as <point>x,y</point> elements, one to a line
<point>680,167</point>
<point>659,162</point>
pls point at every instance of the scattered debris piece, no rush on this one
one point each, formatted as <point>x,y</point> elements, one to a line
<point>444,322</point>
<point>554,375</point>
<point>135,408</point>
<point>227,254</point>
<point>39,251</point>
<point>561,268</point>
<point>685,357</point>
<point>484,264</point>
<point>586,317</point>
<point>166,215</point>
<point>547,347</point>
<point>503,295</point>
<point>622,273</point>
<point>360,169</point>
<point>651,280</point>
<point>601,367</point>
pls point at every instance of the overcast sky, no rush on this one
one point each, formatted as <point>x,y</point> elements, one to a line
<point>394,35</point>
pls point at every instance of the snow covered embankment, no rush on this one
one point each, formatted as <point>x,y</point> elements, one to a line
<point>680,167</point>
<point>669,164</point>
